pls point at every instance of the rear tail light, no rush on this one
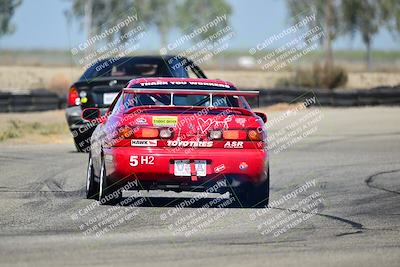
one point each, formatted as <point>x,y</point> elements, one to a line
<point>255,135</point>
<point>234,135</point>
<point>126,132</point>
<point>146,133</point>
<point>73,97</point>
<point>252,135</point>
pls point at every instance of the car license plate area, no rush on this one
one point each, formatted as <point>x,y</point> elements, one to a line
<point>182,167</point>
<point>108,98</point>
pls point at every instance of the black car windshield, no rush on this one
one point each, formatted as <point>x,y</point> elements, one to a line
<point>135,67</point>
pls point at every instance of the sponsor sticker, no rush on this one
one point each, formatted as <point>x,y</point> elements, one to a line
<point>241,121</point>
<point>233,144</point>
<point>204,125</point>
<point>190,143</point>
<point>243,166</point>
<point>219,168</point>
<point>141,121</point>
<point>165,120</point>
<point>141,142</point>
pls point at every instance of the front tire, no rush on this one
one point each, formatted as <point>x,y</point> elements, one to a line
<point>109,194</point>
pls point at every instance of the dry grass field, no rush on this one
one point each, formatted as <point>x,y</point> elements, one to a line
<point>34,127</point>
<point>17,78</point>
<point>260,79</point>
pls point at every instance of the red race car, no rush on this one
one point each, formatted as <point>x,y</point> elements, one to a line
<point>179,134</point>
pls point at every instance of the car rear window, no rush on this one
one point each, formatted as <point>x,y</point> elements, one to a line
<point>134,67</point>
<point>132,100</point>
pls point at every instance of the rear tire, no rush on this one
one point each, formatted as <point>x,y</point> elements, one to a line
<point>260,194</point>
<point>242,195</point>
<point>251,195</point>
<point>109,194</point>
<point>92,186</point>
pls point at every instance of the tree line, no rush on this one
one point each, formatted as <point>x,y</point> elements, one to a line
<point>349,17</point>
<point>163,15</point>
<point>338,17</point>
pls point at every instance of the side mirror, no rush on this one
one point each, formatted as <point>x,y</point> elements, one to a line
<point>262,115</point>
<point>89,114</point>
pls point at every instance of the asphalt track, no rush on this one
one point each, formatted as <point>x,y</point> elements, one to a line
<point>354,156</point>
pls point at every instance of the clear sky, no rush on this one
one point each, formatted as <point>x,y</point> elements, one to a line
<point>42,24</point>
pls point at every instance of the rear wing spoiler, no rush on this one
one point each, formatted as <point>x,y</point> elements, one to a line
<point>210,93</point>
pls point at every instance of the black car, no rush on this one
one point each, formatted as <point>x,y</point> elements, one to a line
<point>100,83</point>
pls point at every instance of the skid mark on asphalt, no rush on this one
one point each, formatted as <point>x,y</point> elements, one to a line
<point>53,185</point>
<point>371,178</point>
<point>40,183</point>
<point>46,193</point>
<point>8,158</point>
<point>46,187</point>
<point>50,185</point>
<point>266,242</point>
<point>353,224</point>
<point>350,233</point>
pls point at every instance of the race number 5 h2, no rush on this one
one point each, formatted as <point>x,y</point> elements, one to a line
<point>142,160</point>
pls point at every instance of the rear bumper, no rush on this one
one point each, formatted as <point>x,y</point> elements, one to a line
<point>157,164</point>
